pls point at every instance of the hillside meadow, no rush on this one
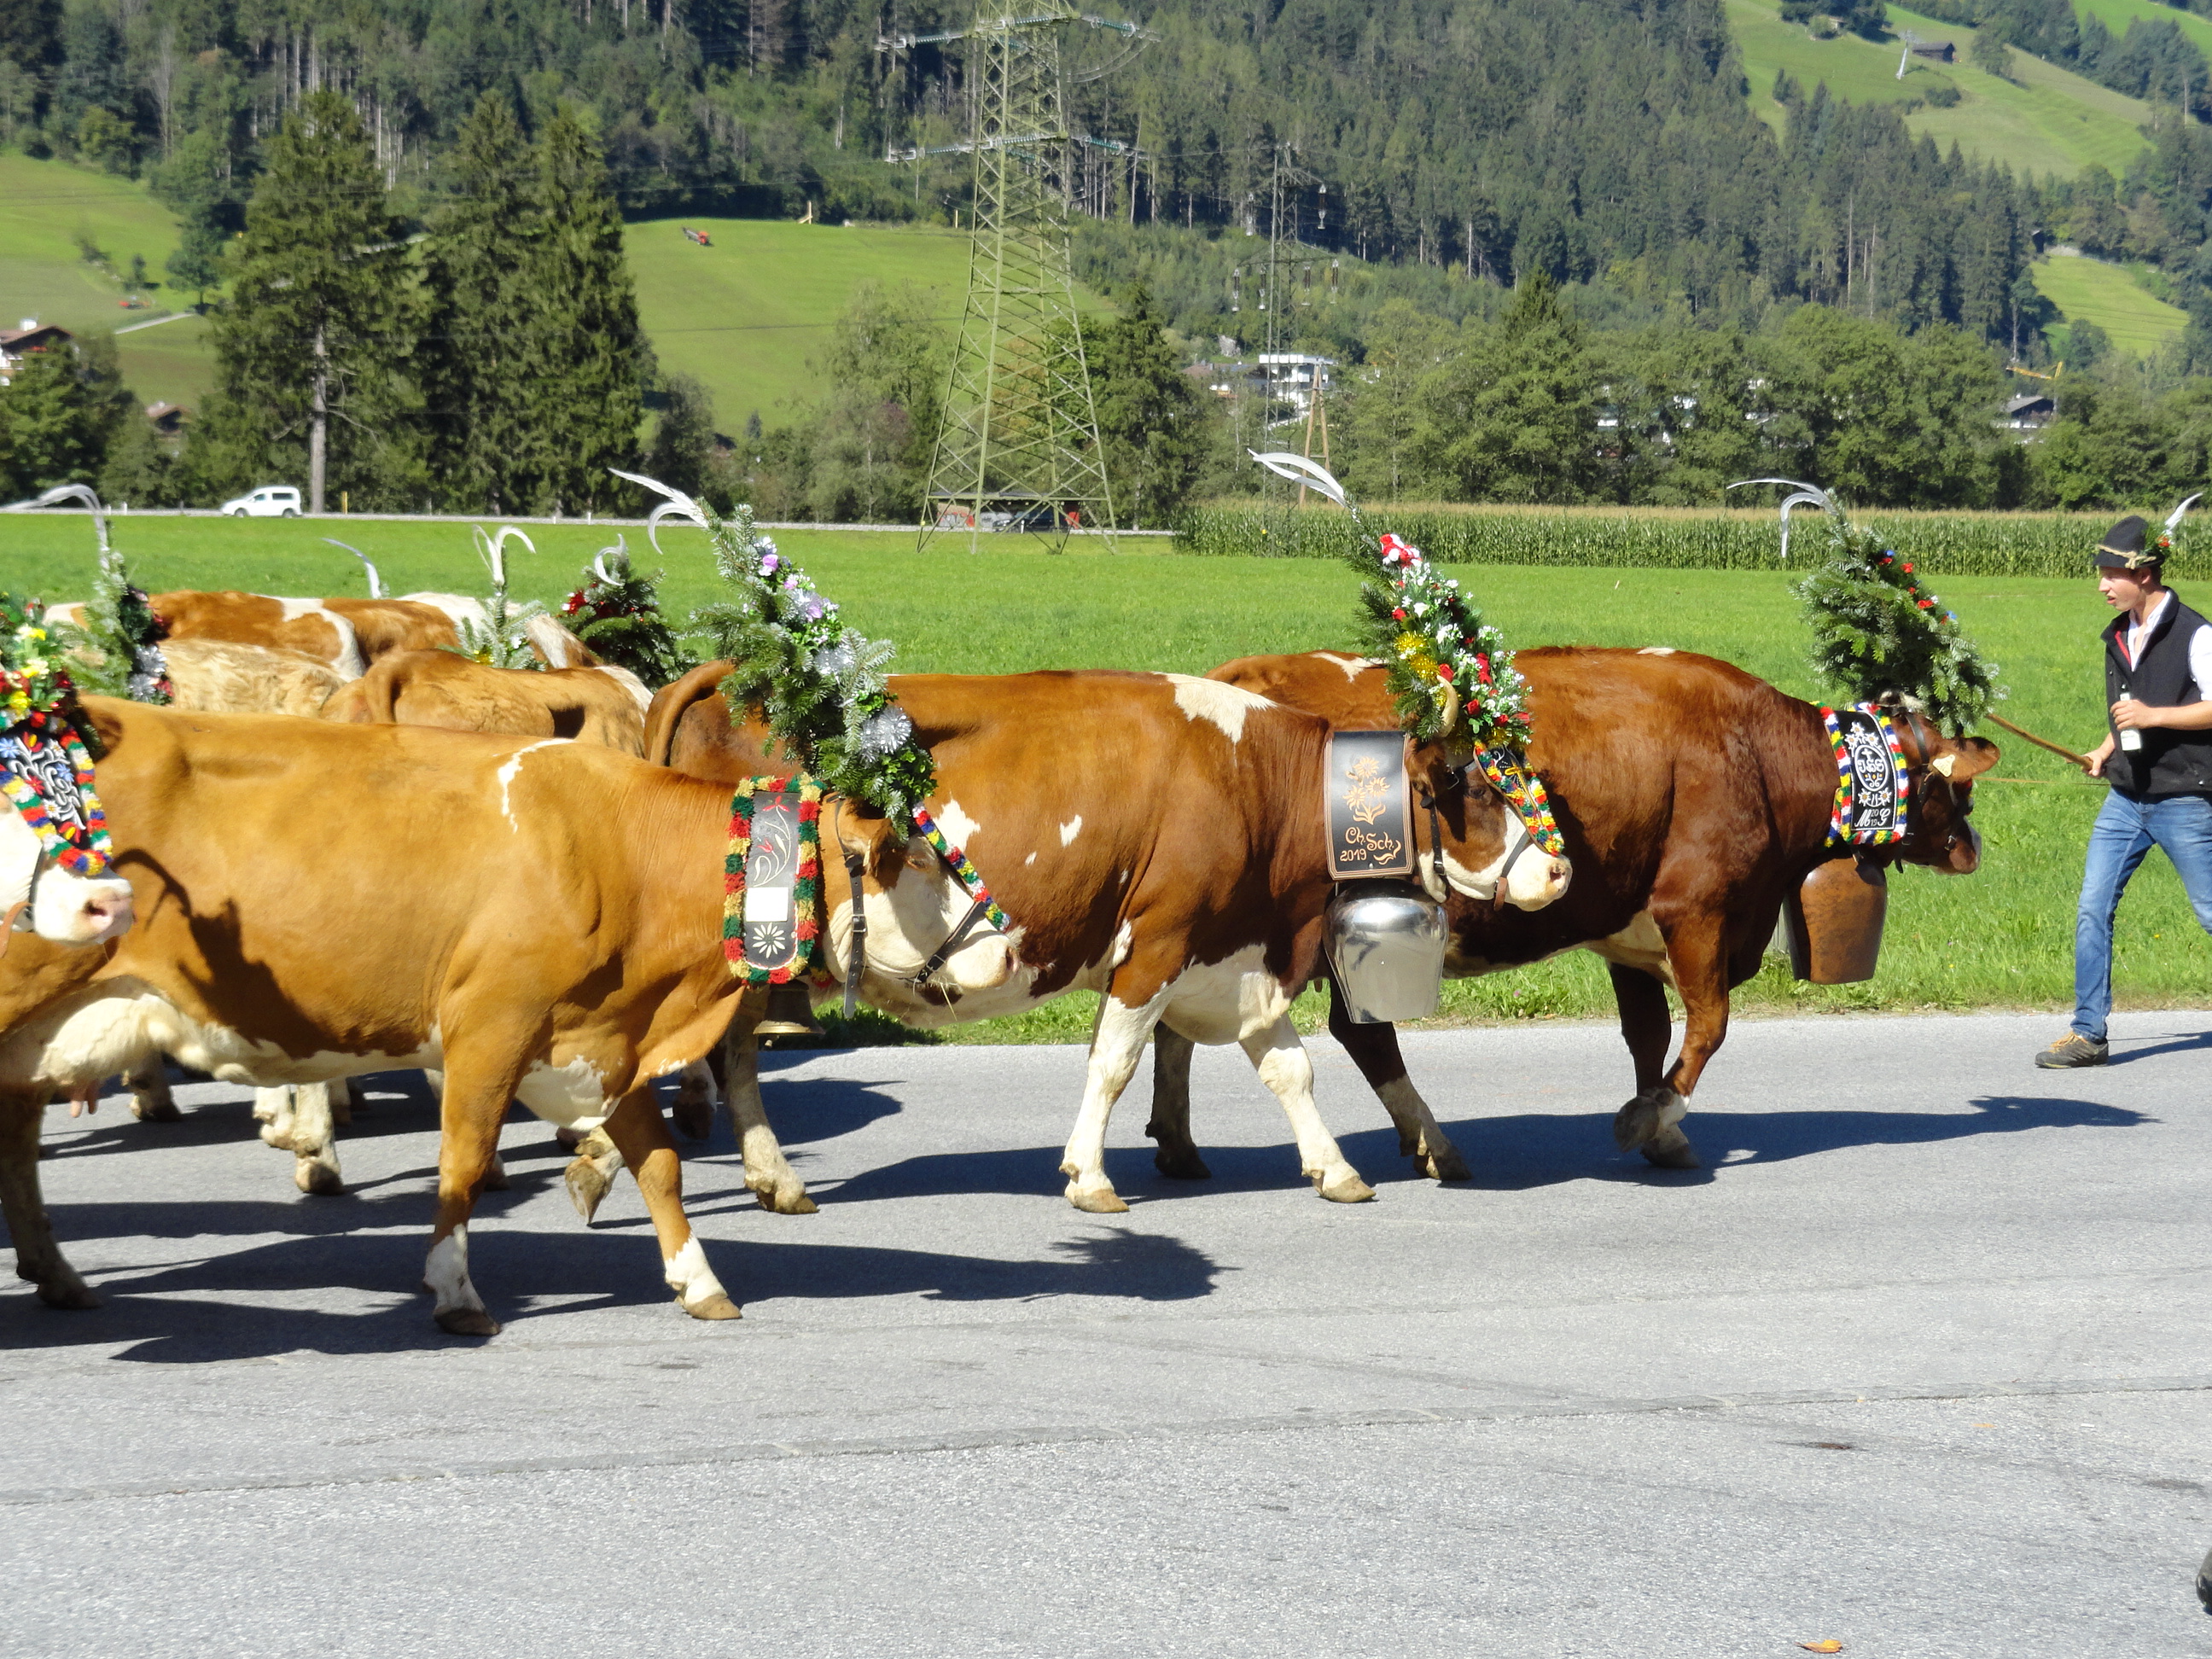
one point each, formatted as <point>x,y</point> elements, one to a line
<point>2001,938</point>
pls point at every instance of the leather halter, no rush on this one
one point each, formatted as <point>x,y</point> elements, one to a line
<point>855,864</point>
<point>1518,839</point>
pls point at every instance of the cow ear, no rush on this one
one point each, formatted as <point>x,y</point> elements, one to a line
<point>1436,764</point>
<point>1963,759</point>
<point>866,831</point>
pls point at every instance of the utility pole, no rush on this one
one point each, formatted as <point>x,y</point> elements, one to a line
<point>1019,428</point>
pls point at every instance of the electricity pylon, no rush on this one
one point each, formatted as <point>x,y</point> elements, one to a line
<point>1019,434</point>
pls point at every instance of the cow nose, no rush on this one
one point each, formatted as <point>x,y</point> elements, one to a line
<point>1551,879</point>
<point>105,915</point>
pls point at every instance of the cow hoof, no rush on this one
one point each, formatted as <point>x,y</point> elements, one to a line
<point>1670,1149</point>
<point>317,1180</point>
<point>777,1201</point>
<point>1182,1165</point>
<point>156,1111</point>
<point>717,1306</point>
<point>1647,1115</point>
<point>694,1118</point>
<point>71,1298</point>
<point>587,1185</point>
<point>1445,1166</point>
<point>494,1179</point>
<point>466,1321</point>
<point>569,1140</point>
<point>1347,1188</point>
<point>1097,1200</point>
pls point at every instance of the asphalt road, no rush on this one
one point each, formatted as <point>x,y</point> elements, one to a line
<point>1923,1364</point>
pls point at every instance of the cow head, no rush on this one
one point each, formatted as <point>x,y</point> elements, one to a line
<point>40,896</point>
<point>1483,850</point>
<point>914,905</point>
<point>1943,770</point>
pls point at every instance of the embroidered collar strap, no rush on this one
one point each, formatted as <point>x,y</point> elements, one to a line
<point>47,774</point>
<point>1524,794</point>
<point>1873,785</point>
<point>772,882</point>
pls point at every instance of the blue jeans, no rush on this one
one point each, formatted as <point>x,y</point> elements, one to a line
<point>2125,831</point>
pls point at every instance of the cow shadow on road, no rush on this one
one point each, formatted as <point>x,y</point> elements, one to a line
<point>1543,1149</point>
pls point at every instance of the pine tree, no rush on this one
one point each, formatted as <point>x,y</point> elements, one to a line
<point>589,352</point>
<point>1150,418</point>
<point>481,338</point>
<point>58,413</point>
<point>312,346</point>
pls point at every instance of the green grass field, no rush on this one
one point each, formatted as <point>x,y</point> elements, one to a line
<point>2000,938</point>
<point>2046,120</point>
<point>2107,295</point>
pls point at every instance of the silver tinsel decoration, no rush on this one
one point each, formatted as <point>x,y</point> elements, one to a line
<point>834,661</point>
<point>883,732</point>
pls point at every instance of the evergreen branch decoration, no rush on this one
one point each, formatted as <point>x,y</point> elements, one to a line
<point>1449,669</point>
<point>821,686</point>
<point>115,646</point>
<point>616,612</point>
<point>501,639</point>
<point>1877,635</point>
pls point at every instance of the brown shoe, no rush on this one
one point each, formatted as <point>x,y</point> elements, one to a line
<point>2072,1050</point>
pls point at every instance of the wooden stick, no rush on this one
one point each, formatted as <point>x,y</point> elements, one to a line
<point>2040,743</point>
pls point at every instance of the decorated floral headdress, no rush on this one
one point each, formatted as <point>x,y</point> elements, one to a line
<point>46,768</point>
<point>1876,633</point>
<point>115,644</point>
<point>822,685</point>
<point>502,639</point>
<point>616,612</point>
<point>1449,669</point>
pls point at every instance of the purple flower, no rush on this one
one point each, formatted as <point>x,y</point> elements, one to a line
<point>768,563</point>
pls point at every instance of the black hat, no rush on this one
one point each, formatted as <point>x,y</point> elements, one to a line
<point>2127,546</point>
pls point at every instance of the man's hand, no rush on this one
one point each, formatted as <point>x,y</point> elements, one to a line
<point>2096,758</point>
<point>2130,715</point>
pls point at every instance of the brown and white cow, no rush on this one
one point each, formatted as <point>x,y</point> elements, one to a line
<point>1693,799</point>
<point>1155,838</point>
<point>540,920</point>
<point>347,633</point>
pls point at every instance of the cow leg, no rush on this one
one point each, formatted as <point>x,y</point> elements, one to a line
<point>1652,1122</point>
<point>1374,1050</point>
<point>297,1119</point>
<point>640,1131</point>
<point>1284,1066</point>
<point>341,1102</point>
<point>37,1258</point>
<point>767,1172</point>
<point>692,1111</point>
<point>590,1174</point>
<point>1117,1041</point>
<point>150,1099</point>
<point>1177,1158</point>
<point>475,1103</point>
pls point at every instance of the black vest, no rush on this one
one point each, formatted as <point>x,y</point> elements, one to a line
<point>2169,763</point>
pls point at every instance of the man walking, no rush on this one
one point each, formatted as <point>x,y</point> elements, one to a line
<point>2158,758</point>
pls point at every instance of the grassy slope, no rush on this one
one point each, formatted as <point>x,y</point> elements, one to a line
<point>2001,937</point>
<point>2053,121</point>
<point>746,314</point>
<point>2138,322</point>
<point>42,205</point>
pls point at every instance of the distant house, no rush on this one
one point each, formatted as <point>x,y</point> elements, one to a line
<point>169,419</point>
<point>17,343</point>
<point>1940,51</point>
<point>2031,411</point>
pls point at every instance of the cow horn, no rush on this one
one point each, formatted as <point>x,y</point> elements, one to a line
<point>1451,706</point>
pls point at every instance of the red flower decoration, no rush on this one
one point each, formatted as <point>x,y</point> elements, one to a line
<point>1397,616</point>
<point>1927,605</point>
<point>1444,672</point>
<point>1906,568</point>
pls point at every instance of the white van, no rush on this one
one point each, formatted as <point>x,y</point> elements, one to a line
<point>270,502</point>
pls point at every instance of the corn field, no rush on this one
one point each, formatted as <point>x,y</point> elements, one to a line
<point>1668,538</point>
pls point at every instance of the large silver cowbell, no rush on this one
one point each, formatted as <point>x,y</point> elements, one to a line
<point>1386,940</point>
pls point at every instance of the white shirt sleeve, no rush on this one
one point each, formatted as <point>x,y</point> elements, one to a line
<point>2200,663</point>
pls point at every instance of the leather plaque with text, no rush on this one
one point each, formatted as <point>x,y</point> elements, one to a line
<point>1368,812</point>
